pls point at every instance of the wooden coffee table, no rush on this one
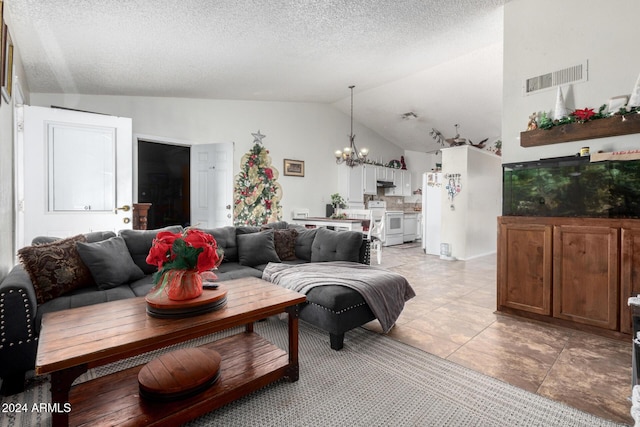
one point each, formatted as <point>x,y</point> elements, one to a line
<point>73,341</point>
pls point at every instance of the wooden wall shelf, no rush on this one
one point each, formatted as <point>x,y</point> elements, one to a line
<point>601,128</point>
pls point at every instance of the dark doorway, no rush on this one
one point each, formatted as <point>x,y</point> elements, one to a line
<point>163,181</point>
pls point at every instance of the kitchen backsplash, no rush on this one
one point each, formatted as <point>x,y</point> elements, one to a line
<point>395,203</point>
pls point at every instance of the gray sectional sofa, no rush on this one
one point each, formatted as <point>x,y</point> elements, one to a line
<point>112,267</point>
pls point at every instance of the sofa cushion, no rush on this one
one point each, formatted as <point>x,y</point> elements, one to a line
<point>94,236</point>
<point>109,262</point>
<point>226,240</point>
<point>257,248</point>
<point>331,245</point>
<point>277,225</point>
<point>139,243</point>
<point>304,241</point>
<point>246,229</point>
<point>233,270</point>
<point>55,268</point>
<point>141,287</point>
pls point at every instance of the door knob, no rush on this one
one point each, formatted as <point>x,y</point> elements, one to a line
<point>125,208</point>
<point>228,207</point>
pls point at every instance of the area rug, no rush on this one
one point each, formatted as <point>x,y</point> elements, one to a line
<point>372,381</point>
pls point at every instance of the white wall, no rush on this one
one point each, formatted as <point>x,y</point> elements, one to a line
<point>547,35</point>
<point>6,188</point>
<point>471,227</point>
<point>300,131</point>
<point>7,183</point>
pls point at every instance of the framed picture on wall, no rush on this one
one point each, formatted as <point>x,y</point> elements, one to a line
<point>7,63</point>
<point>293,167</point>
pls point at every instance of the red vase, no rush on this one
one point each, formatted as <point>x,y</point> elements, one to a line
<point>182,284</point>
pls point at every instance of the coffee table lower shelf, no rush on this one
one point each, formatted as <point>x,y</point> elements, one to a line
<point>249,362</point>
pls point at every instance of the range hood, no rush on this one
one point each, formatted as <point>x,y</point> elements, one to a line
<point>385,184</point>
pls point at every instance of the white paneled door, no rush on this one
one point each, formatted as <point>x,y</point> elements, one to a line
<point>77,173</point>
<point>212,185</point>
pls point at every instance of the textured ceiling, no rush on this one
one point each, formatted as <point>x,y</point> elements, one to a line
<point>402,55</point>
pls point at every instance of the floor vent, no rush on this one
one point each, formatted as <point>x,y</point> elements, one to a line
<point>575,74</point>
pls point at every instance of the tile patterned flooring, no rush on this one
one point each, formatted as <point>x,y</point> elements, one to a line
<point>453,316</point>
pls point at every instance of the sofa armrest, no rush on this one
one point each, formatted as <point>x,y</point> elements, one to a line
<point>18,334</point>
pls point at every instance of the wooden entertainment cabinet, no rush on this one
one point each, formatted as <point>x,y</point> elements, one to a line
<point>576,272</point>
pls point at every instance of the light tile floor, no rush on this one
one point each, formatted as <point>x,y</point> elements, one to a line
<point>453,316</point>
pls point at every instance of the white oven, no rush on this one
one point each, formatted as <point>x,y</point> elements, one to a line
<point>393,229</point>
<point>394,226</point>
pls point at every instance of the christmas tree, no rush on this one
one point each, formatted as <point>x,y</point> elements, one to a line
<point>257,192</point>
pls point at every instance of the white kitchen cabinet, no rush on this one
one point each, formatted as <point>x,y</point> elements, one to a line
<point>381,173</point>
<point>393,176</point>
<point>406,183</point>
<point>369,179</point>
<point>350,185</point>
<point>402,180</point>
<point>410,227</point>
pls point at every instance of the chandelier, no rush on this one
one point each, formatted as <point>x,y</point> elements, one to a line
<point>350,155</point>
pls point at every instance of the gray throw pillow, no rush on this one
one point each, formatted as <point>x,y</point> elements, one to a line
<point>109,262</point>
<point>257,248</point>
<point>139,244</point>
<point>226,240</point>
<point>331,245</point>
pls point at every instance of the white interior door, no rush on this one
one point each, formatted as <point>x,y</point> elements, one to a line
<point>212,185</point>
<point>77,173</point>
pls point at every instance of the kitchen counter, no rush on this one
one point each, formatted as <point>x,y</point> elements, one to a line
<point>316,221</point>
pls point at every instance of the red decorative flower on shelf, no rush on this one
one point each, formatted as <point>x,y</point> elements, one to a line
<point>583,115</point>
<point>182,256</point>
<point>269,173</point>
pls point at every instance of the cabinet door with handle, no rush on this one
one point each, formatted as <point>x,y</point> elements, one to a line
<point>524,267</point>
<point>629,274</point>
<point>369,180</point>
<point>585,275</point>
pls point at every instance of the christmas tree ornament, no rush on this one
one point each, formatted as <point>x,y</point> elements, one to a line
<point>560,112</point>
<point>634,100</point>
<point>257,193</point>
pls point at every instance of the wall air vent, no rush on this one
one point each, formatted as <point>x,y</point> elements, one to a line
<point>575,74</point>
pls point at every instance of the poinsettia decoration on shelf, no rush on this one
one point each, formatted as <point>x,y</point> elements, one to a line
<point>583,115</point>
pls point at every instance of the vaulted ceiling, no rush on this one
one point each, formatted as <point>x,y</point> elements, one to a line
<point>438,59</point>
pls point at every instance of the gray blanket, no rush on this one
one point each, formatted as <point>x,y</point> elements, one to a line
<point>385,292</point>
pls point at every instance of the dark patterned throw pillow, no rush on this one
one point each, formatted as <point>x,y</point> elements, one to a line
<point>285,242</point>
<point>55,268</point>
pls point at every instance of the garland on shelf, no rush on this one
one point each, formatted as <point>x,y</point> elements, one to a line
<point>584,115</point>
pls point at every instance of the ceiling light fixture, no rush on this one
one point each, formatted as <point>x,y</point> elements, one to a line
<point>350,155</point>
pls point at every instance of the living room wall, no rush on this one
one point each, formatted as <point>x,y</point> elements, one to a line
<point>7,182</point>
<point>546,35</point>
<point>300,131</point>
<point>6,188</point>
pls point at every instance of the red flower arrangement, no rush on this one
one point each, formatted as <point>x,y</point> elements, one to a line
<point>182,255</point>
<point>583,115</point>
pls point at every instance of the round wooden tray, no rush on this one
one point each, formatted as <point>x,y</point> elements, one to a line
<point>210,300</point>
<point>179,374</point>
